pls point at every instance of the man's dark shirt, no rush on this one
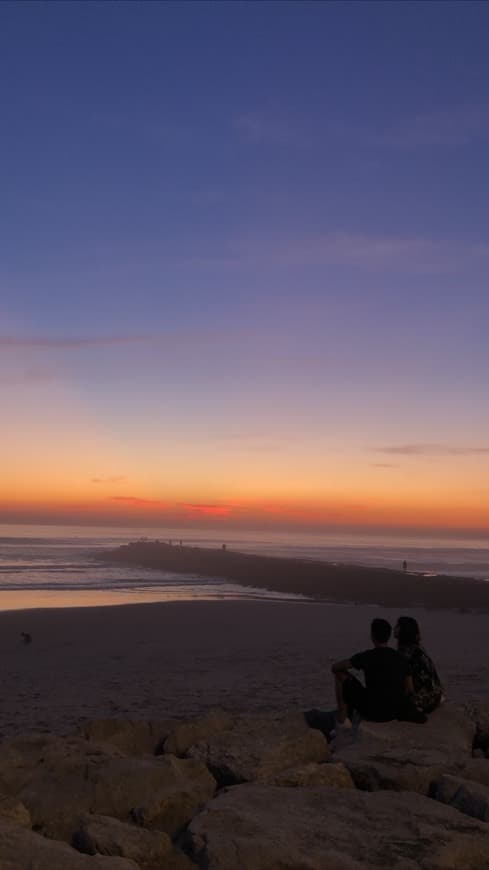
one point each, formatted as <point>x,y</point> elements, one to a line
<point>385,679</point>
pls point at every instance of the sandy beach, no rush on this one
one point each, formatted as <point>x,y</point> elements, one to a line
<point>178,659</point>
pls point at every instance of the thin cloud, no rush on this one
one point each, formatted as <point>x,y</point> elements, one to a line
<point>28,376</point>
<point>15,341</point>
<point>259,130</point>
<point>360,251</point>
<point>214,510</point>
<point>135,500</point>
<point>385,465</point>
<point>115,479</point>
<point>452,127</point>
<point>431,450</point>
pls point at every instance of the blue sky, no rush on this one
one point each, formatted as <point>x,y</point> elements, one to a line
<point>250,204</point>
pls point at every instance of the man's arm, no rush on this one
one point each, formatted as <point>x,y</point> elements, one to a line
<point>409,685</point>
<point>344,665</point>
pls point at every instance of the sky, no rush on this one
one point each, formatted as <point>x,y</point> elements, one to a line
<point>244,257</point>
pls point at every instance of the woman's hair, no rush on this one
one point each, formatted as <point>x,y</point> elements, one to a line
<point>407,631</point>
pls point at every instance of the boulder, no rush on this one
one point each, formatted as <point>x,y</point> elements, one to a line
<point>25,850</point>
<point>202,728</point>
<point>469,797</point>
<point>259,746</point>
<point>52,776</point>
<point>258,827</point>
<point>476,769</point>
<point>162,792</point>
<point>331,774</point>
<point>129,736</point>
<point>151,850</point>
<point>407,756</point>
<point>58,779</point>
<point>14,810</point>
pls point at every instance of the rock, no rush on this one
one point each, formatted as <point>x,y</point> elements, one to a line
<point>478,753</point>
<point>151,850</point>
<point>469,797</point>
<point>406,756</point>
<point>13,810</point>
<point>25,850</point>
<point>258,827</point>
<point>58,779</point>
<point>186,734</point>
<point>162,792</point>
<point>476,769</point>
<point>51,776</point>
<point>259,746</point>
<point>132,737</point>
<point>331,774</point>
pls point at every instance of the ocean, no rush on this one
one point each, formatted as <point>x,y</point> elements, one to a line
<point>54,566</point>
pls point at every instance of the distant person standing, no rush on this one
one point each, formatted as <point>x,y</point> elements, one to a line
<point>404,565</point>
<point>427,690</point>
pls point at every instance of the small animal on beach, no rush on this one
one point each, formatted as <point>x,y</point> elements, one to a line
<point>26,637</point>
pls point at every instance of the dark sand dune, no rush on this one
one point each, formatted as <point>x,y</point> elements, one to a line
<point>319,580</point>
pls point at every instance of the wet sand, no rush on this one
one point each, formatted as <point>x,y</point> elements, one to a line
<point>178,659</point>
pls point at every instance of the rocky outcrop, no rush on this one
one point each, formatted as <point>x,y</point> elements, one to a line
<point>151,850</point>
<point>392,795</point>
<point>257,827</point>
<point>259,746</point>
<point>469,797</point>
<point>132,737</point>
<point>25,850</point>
<point>406,756</point>
<point>331,774</point>
<point>202,728</point>
<point>58,779</point>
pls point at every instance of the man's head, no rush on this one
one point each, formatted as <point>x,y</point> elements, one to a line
<point>380,631</point>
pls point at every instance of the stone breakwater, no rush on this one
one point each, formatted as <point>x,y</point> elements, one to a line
<point>314,579</point>
<point>240,792</point>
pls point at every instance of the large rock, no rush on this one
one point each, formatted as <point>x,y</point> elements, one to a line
<point>407,756</point>
<point>162,792</point>
<point>476,769</point>
<point>469,797</point>
<point>186,734</point>
<point>13,810</point>
<point>25,850</point>
<point>130,736</point>
<point>257,827</point>
<point>52,777</point>
<point>259,746</point>
<point>152,850</point>
<point>331,774</point>
<point>58,779</point>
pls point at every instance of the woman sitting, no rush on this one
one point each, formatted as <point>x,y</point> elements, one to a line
<point>427,691</point>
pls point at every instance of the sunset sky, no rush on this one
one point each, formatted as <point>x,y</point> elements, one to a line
<point>244,259</point>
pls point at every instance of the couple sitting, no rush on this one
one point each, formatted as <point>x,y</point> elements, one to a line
<point>399,684</point>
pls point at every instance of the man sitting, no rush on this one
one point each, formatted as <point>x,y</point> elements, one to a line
<point>387,681</point>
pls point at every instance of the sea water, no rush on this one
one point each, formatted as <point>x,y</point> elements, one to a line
<point>56,566</point>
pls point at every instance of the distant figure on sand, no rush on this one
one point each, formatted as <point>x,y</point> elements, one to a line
<point>427,690</point>
<point>404,565</point>
<point>386,680</point>
<point>26,637</point>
